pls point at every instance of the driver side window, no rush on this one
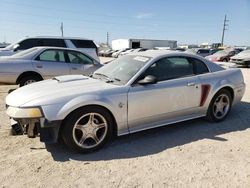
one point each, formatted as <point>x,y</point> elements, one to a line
<point>170,68</point>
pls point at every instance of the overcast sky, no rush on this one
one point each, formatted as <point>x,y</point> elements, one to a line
<point>187,21</point>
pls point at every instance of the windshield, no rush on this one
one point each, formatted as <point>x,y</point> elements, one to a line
<point>121,70</point>
<point>25,52</point>
<point>244,52</point>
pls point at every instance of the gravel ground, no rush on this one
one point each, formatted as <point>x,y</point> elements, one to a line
<point>190,154</point>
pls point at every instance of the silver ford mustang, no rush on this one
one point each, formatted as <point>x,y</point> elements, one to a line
<point>133,93</point>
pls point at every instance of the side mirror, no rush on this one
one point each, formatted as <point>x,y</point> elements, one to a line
<point>148,80</point>
<point>16,47</point>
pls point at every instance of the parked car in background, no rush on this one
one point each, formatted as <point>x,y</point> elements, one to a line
<point>84,45</point>
<point>117,53</point>
<point>223,55</point>
<point>212,51</point>
<point>190,51</point>
<point>109,53</point>
<point>203,52</point>
<point>180,49</point>
<point>3,45</point>
<point>140,50</point>
<point>126,52</point>
<point>242,58</point>
<point>41,63</point>
<point>134,92</point>
<point>104,52</point>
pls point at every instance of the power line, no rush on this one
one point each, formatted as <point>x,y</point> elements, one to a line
<point>90,13</point>
<point>224,29</point>
<point>50,24</point>
<point>168,24</point>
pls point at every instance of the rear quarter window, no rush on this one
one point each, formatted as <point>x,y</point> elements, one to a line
<point>84,44</point>
<point>199,66</point>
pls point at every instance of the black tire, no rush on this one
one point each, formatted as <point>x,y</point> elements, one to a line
<point>30,78</point>
<point>69,124</point>
<point>210,112</point>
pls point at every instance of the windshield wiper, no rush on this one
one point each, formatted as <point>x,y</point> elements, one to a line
<point>103,75</point>
<point>109,80</point>
<point>113,80</point>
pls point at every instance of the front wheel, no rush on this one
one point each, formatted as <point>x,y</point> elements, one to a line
<point>220,106</point>
<point>87,129</point>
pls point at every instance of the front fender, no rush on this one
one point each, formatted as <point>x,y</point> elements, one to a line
<point>117,105</point>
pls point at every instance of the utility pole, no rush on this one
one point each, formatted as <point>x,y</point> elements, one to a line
<point>224,29</point>
<point>62,28</point>
<point>108,38</point>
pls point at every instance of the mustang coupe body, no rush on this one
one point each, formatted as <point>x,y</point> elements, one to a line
<point>133,93</point>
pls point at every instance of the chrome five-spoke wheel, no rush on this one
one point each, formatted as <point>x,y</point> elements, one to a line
<point>87,129</point>
<point>90,130</point>
<point>220,106</point>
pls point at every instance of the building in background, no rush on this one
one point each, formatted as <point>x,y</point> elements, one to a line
<point>142,43</point>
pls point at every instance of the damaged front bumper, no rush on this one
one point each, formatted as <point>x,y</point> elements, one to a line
<point>32,122</point>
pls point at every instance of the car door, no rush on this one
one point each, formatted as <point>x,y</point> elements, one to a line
<point>175,95</point>
<point>51,63</point>
<point>80,63</point>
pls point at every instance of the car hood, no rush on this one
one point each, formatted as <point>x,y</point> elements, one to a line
<point>6,52</point>
<point>241,56</point>
<point>56,90</point>
<point>215,56</point>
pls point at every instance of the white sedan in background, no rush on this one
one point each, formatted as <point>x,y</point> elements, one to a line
<point>242,58</point>
<point>40,63</point>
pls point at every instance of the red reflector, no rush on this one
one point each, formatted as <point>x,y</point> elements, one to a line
<point>205,89</point>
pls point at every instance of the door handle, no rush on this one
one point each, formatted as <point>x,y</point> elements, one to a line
<point>191,84</point>
<point>74,68</point>
<point>39,66</point>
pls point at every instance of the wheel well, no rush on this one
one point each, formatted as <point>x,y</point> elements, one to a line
<point>28,73</point>
<point>231,91</point>
<point>97,106</point>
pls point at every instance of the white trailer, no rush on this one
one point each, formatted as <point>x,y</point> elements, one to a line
<point>142,43</point>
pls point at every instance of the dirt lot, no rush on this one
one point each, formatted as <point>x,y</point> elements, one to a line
<point>190,154</point>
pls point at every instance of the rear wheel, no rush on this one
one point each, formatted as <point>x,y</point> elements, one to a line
<point>220,106</point>
<point>29,80</point>
<point>87,129</point>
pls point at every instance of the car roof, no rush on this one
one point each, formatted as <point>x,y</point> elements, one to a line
<point>57,37</point>
<point>40,48</point>
<point>160,53</point>
<point>56,48</point>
